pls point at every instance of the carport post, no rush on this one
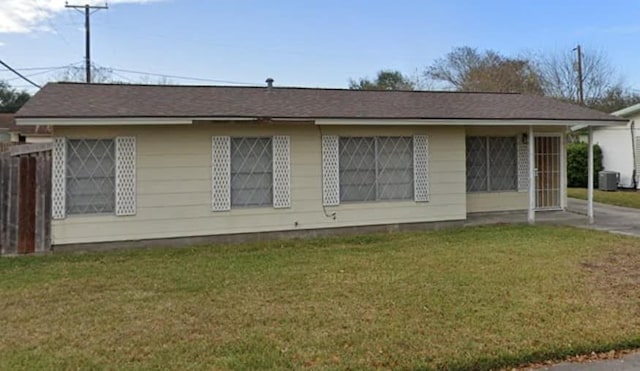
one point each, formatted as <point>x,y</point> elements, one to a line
<point>590,178</point>
<point>531,215</point>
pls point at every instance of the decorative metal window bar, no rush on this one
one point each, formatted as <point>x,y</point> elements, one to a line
<point>251,172</point>
<point>376,168</point>
<point>492,164</point>
<point>90,176</point>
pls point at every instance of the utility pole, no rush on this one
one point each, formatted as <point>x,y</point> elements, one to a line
<point>578,50</point>
<point>87,30</point>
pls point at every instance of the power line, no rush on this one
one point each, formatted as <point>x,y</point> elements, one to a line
<point>184,77</point>
<point>19,74</point>
<point>53,26</point>
<point>122,77</point>
<point>39,68</point>
<point>41,72</point>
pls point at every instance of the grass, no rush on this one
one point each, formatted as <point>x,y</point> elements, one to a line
<point>474,298</point>
<point>620,198</point>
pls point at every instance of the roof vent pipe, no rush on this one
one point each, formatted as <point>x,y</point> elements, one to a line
<point>269,82</point>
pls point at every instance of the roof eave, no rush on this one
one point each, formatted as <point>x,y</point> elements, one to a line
<point>627,111</point>
<point>127,121</point>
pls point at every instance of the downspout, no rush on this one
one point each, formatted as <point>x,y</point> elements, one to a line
<point>634,180</point>
<point>590,177</point>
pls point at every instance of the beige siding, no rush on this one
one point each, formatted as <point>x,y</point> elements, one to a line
<point>497,201</point>
<point>504,201</point>
<point>174,186</point>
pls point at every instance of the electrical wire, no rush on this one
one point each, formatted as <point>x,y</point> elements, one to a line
<point>182,77</point>
<point>19,74</point>
<point>42,72</point>
<point>39,68</point>
<point>122,77</point>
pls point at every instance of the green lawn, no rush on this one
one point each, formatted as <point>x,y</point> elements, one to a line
<point>620,198</point>
<point>472,298</point>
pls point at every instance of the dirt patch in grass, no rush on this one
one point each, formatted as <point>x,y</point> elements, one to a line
<point>617,274</point>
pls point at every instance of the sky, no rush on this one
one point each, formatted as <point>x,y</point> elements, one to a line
<point>312,43</point>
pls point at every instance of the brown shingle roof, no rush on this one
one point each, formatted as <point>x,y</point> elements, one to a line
<point>73,100</point>
<point>7,123</point>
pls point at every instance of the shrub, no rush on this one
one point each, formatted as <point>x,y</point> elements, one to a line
<point>577,164</point>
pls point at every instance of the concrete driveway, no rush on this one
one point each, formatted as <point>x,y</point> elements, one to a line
<point>629,362</point>
<point>610,218</point>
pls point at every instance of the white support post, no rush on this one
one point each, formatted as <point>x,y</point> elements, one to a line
<point>531,216</point>
<point>590,178</point>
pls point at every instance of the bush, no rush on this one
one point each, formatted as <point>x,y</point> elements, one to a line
<point>577,164</point>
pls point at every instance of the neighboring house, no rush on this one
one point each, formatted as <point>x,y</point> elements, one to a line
<point>10,132</point>
<point>6,120</point>
<point>620,147</point>
<point>136,162</point>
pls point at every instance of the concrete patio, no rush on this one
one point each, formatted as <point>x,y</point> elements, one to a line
<point>614,219</point>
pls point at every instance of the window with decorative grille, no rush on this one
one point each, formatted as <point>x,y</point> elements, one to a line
<point>492,164</point>
<point>90,176</point>
<point>251,172</point>
<point>376,168</point>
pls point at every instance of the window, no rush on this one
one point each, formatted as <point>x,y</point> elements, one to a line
<point>90,176</point>
<point>251,172</point>
<point>376,168</point>
<point>492,164</point>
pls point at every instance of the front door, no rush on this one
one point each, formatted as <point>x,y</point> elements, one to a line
<point>548,150</point>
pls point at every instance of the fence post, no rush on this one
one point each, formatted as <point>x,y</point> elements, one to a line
<point>11,246</point>
<point>43,202</point>
<point>27,205</point>
<point>3,201</point>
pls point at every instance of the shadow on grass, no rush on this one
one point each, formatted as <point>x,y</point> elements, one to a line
<point>522,360</point>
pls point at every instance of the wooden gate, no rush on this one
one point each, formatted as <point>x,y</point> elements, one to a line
<point>25,199</point>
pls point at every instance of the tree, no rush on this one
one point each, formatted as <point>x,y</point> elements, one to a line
<point>613,100</point>
<point>78,74</point>
<point>603,87</point>
<point>11,99</point>
<point>148,80</point>
<point>559,75</point>
<point>385,80</point>
<point>467,69</point>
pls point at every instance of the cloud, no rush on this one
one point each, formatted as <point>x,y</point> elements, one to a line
<point>21,16</point>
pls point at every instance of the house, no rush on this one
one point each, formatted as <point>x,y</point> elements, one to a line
<point>620,147</point>
<point>144,162</point>
<point>10,132</point>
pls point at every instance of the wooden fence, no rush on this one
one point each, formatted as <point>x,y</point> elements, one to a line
<point>5,146</point>
<point>25,199</point>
